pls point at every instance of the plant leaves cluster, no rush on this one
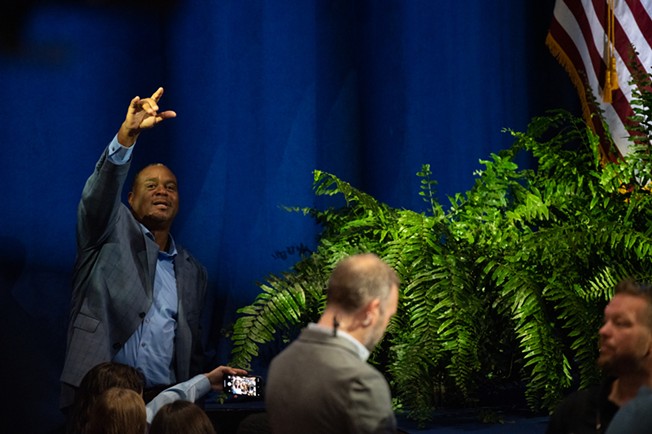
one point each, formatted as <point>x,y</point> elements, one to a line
<point>503,289</point>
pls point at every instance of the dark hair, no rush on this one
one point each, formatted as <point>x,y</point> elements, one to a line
<point>117,411</point>
<point>359,279</point>
<point>637,289</point>
<point>181,417</point>
<point>96,381</point>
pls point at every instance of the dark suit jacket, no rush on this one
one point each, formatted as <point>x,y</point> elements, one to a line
<point>586,411</point>
<point>113,283</point>
<point>319,385</point>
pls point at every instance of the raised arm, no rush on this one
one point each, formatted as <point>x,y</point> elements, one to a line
<point>192,389</point>
<point>142,114</point>
<point>101,195</point>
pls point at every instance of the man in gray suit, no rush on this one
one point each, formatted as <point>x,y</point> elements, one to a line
<point>137,295</point>
<point>321,383</point>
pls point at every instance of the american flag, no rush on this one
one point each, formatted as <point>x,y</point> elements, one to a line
<point>598,42</point>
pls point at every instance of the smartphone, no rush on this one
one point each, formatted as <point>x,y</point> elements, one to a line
<point>244,385</point>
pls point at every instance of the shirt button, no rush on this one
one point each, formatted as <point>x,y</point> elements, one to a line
<point>141,315</point>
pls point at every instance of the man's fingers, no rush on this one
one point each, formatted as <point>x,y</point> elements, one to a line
<point>135,103</point>
<point>158,94</point>
<point>234,371</point>
<point>160,117</point>
<point>150,106</point>
<point>168,114</point>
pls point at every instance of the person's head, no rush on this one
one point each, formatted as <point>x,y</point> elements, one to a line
<point>626,334</point>
<point>181,417</point>
<point>365,287</point>
<point>154,198</point>
<point>118,411</point>
<point>96,381</point>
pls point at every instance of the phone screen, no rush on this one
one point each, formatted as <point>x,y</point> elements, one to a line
<point>243,385</point>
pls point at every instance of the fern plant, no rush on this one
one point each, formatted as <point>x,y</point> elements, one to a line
<point>504,288</point>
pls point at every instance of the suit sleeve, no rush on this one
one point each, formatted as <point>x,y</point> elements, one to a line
<point>100,201</point>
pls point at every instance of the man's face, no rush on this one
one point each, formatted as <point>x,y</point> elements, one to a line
<point>625,336</point>
<point>387,309</point>
<point>155,199</point>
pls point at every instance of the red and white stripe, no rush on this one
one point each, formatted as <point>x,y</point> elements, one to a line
<point>578,37</point>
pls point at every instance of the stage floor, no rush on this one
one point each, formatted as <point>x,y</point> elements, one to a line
<point>460,422</point>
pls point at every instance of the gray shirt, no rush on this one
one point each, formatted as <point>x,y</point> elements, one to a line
<point>635,417</point>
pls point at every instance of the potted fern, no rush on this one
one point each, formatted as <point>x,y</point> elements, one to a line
<point>503,288</point>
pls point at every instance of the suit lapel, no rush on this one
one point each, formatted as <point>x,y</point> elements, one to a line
<point>147,256</point>
<point>183,334</point>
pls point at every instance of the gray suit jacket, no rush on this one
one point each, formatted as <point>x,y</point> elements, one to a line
<point>113,283</point>
<point>319,385</point>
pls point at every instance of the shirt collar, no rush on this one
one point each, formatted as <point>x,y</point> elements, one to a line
<point>172,250</point>
<point>362,351</point>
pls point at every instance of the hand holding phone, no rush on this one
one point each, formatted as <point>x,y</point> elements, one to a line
<point>244,385</point>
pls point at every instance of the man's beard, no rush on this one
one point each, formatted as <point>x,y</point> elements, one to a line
<point>620,365</point>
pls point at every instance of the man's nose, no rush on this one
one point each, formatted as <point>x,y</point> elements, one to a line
<point>605,329</point>
<point>160,189</point>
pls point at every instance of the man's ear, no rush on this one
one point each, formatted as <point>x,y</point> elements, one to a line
<point>130,197</point>
<point>371,312</point>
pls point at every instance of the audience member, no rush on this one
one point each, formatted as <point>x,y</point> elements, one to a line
<point>110,374</point>
<point>625,359</point>
<point>137,294</point>
<point>321,382</point>
<point>181,417</point>
<point>117,411</point>
<point>98,380</point>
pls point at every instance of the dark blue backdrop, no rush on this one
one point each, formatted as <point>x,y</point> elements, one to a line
<point>265,91</point>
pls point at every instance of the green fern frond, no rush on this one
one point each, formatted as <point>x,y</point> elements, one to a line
<point>282,305</point>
